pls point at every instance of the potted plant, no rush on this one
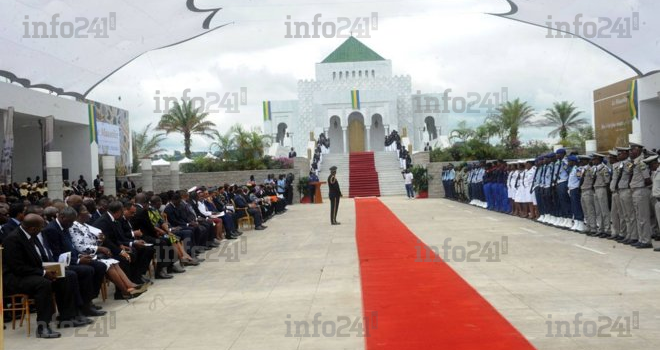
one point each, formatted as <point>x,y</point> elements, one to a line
<point>303,189</point>
<point>421,180</point>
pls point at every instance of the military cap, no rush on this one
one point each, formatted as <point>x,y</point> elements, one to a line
<point>633,145</point>
<point>612,153</point>
<point>561,151</point>
<point>600,155</point>
<point>333,168</point>
<point>584,157</point>
<point>623,149</point>
<point>572,158</point>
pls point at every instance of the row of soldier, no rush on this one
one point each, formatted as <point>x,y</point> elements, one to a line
<point>613,195</point>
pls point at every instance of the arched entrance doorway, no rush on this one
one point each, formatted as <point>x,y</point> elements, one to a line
<point>281,133</point>
<point>431,129</point>
<point>377,133</point>
<point>336,135</point>
<point>356,132</point>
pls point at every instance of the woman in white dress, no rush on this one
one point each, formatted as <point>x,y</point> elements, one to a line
<point>86,242</point>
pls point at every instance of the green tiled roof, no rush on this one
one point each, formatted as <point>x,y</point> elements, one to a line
<point>352,50</point>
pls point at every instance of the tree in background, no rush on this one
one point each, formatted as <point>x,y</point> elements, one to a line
<point>565,118</point>
<point>512,116</point>
<point>145,145</point>
<point>182,118</point>
<point>576,138</point>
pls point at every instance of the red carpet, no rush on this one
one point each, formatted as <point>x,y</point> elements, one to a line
<point>420,305</point>
<point>362,177</point>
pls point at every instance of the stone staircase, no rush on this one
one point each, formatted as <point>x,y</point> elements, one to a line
<point>389,174</point>
<point>387,166</point>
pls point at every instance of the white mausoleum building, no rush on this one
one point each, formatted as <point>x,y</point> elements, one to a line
<point>355,100</point>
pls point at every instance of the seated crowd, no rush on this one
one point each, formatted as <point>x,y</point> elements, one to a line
<point>117,239</point>
<point>613,195</point>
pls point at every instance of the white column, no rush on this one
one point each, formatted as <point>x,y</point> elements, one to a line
<point>109,176</point>
<point>54,175</point>
<point>368,128</point>
<point>147,175</point>
<point>345,134</point>
<point>174,176</point>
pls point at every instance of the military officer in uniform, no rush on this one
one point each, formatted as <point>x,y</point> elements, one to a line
<point>587,177</point>
<point>616,212</point>
<point>602,180</point>
<point>652,162</point>
<point>641,193</point>
<point>334,194</point>
<point>625,195</point>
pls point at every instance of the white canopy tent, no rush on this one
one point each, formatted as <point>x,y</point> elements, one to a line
<point>70,46</point>
<point>628,30</point>
<point>185,160</point>
<point>210,156</point>
<point>160,162</point>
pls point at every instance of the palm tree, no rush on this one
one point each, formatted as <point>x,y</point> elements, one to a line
<point>223,142</point>
<point>145,146</point>
<point>564,118</point>
<point>249,146</point>
<point>462,132</point>
<point>513,116</point>
<point>186,120</point>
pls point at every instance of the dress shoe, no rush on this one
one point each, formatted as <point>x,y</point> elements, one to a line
<point>215,244</point>
<point>92,312</point>
<point>217,241</point>
<point>74,322</point>
<point>237,233</point>
<point>190,262</point>
<point>632,242</point>
<point>656,249</point>
<point>178,269</point>
<point>644,246</point>
<point>44,331</point>
<point>230,236</point>
<point>264,226</point>
<point>336,223</point>
<point>259,228</point>
<point>96,307</point>
<point>124,296</point>
<point>611,238</point>
<point>146,280</point>
<point>620,239</point>
<point>163,275</point>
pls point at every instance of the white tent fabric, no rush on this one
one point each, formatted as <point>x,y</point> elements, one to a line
<point>185,160</point>
<point>628,30</point>
<point>160,162</point>
<point>70,46</point>
<point>210,156</point>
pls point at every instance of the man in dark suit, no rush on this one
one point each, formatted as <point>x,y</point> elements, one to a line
<point>24,273</point>
<point>89,272</point>
<point>129,184</point>
<point>133,239</point>
<point>334,194</point>
<point>242,203</point>
<point>292,153</point>
<point>97,183</point>
<point>117,239</point>
<point>177,219</point>
<point>164,249</point>
<point>16,214</point>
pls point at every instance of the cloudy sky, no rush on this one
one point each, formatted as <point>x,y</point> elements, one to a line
<point>440,44</point>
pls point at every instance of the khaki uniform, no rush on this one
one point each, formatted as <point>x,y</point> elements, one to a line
<point>641,199</point>
<point>625,197</point>
<point>655,192</point>
<point>601,201</point>
<point>618,225</point>
<point>587,198</point>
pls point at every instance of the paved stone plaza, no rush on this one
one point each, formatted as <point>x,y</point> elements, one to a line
<point>302,266</point>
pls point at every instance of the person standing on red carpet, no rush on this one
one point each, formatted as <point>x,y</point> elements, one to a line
<point>334,194</point>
